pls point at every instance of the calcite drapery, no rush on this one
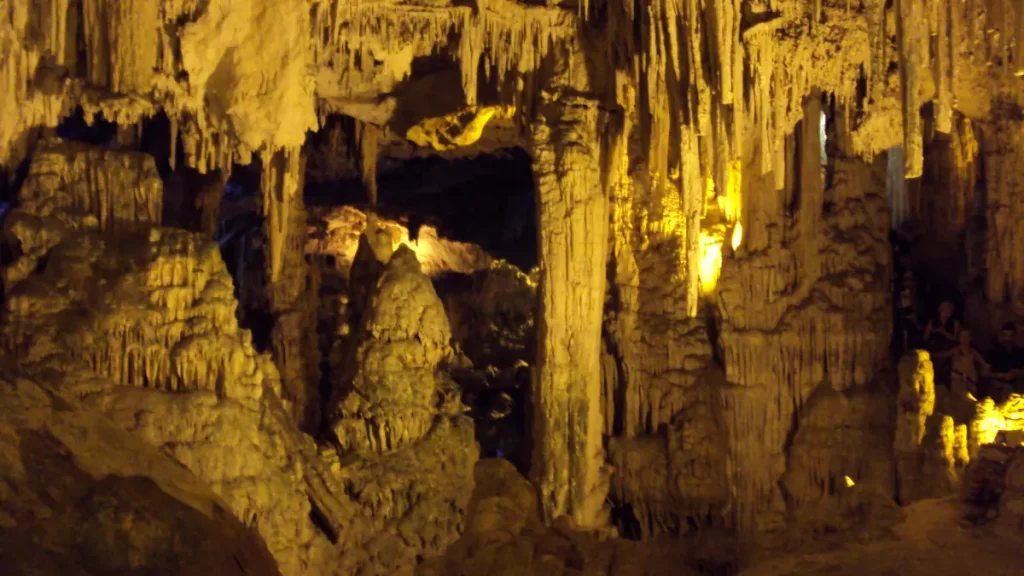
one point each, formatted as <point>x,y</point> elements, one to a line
<point>797,306</point>
<point>1004,175</point>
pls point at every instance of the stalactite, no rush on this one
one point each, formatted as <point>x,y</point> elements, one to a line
<point>282,172</point>
<point>811,189</point>
<point>367,140</point>
<point>1004,176</point>
<point>942,68</point>
<point>913,43</point>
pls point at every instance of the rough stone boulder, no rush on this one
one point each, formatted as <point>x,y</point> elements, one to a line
<point>842,439</point>
<point>78,495</point>
<point>505,536</point>
<point>396,390</point>
<point>1011,505</point>
<point>993,488</point>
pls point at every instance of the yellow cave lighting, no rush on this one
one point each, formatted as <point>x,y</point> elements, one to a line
<point>992,418</point>
<point>848,481</point>
<point>710,260</point>
<point>737,235</point>
<point>730,202</point>
<point>459,129</point>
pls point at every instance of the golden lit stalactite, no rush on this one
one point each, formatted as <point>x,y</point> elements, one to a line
<point>737,236</point>
<point>280,183</point>
<point>723,218</point>
<point>710,258</point>
<point>368,139</point>
<point>912,25</point>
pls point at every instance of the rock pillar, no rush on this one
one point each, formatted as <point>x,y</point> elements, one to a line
<point>1004,177</point>
<point>568,457</point>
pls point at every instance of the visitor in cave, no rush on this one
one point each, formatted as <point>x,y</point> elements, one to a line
<point>967,367</point>
<point>1007,363</point>
<point>909,321</point>
<point>941,338</point>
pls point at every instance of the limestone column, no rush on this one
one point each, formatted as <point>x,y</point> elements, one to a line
<point>568,457</point>
<point>1004,210</point>
<point>291,297</point>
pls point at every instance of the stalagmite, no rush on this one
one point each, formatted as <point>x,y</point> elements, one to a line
<point>391,399</point>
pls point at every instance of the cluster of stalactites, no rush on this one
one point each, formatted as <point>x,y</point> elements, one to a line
<point>509,39</point>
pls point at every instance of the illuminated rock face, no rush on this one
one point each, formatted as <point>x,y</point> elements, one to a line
<point>82,495</point>
<point>396,389</point>
<point>140,325</point>
<point>568,460</point>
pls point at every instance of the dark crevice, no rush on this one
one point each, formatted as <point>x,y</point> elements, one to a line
<point>322,522</point>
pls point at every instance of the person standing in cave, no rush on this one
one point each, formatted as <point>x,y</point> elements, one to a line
<point>941,337</point>
<point>909,323</point>
<point>967,365</point>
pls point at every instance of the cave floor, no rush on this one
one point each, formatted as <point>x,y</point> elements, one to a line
<point>930,540</point>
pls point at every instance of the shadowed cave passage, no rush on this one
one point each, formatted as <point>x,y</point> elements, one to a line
<point>487,200</point>
<point>483,203</point>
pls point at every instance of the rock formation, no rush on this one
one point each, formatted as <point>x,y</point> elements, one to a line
<point>148,336</point>
<point>83,496</point>
<point>396,390</point>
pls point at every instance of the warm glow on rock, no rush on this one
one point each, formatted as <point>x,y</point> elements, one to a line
<point>731,200</point>
<point>992,418</point>
<point>848,481</point>
<point>710,260</point>
<point>737,236</point>
<point>455,130</point>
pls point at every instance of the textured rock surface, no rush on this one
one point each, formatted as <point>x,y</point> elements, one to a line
<point>504,535</point>
<point>396,389</point>
<point>140,326</point>
<point>930,540</point>
<point>82,496</point>
<point>336,231</point>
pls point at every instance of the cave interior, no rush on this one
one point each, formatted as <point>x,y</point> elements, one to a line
<point>566,287</point>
